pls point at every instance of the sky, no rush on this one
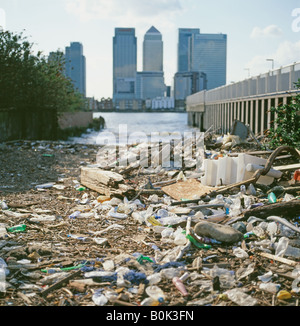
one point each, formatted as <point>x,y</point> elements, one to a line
<point>256,30</point>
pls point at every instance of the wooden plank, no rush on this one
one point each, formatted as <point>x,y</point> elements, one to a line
<point>104,182</point>
<point>98,176</point>
<point>287,167</point>
<point>291,207</point>
<point>280,259</point>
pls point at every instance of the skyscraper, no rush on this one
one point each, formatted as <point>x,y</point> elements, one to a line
<point>153,50</point>
<point>150,82</point>
<point>124,65</point>
<point>76,66</point>
<point>183,47</point>
<point>208,54</point>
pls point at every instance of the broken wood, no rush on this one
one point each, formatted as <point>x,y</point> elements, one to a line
<point>282,209</point>
<point>280,259</point>
<point>58,284</point>
<point>104,182</point>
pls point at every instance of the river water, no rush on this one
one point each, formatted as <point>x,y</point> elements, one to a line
<point>150,125</point>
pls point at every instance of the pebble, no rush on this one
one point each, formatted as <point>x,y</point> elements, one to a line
<point>223,233</point>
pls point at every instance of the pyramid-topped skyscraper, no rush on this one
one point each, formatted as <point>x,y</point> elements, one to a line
<point>153,50</point>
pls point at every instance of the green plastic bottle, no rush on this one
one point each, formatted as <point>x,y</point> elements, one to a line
<point>17,228</point>
<point>272,198</point>
<point>198,244</point>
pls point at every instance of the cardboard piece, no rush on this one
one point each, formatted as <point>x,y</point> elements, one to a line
<point>188,190</point>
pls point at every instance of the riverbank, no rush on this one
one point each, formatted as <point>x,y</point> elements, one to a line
<point>49,263</point>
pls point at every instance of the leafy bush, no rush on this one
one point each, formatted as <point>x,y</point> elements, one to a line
<point>31,82</point>
<point>285,129</point>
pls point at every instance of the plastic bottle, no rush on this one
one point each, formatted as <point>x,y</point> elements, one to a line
<point>75,215</point>
<point>3,273</point>
<point>243,189</point>
<point>99,299</point>
<point>240,298</point>
<point>272,198</point>
<point>141,259</point>
<point>17,228</point>
<point>4,205</point>
<point>178,282</point>
<point>156,296</point>
<point>154,278</point>
<point>270,287</point>
<point>197,244</point>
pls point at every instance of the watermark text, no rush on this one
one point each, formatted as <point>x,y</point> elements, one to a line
<point>296,21</point>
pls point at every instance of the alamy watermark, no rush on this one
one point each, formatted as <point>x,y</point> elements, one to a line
<point>2,19</point>
<point>168,150</point>
<point>296,21</point>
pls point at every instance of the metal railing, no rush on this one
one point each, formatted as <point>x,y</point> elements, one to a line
<point>277,81</point>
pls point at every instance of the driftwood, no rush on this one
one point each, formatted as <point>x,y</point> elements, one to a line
<point>283,209</point>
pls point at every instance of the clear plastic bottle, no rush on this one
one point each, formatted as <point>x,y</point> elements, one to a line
<point>270,287</point>
<point>4,205</point>
<point>3,273</point>
<point>240,298</point>
<point>156,296</point>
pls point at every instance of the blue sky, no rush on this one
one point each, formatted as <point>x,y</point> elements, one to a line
<point>257,30</point>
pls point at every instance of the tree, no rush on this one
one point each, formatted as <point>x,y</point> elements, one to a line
<point>285,129</point>
<point>32,82</point>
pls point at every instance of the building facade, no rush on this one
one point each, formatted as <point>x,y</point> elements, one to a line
<point>184,36</point>
<point>153,50</point>
<point>75,66</point>
<point>186,84</point>
<point>150,84</point>
<point>208,54</point>
<point>124,66</point>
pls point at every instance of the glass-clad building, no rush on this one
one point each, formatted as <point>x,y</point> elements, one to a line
<point>183,47</point>
<point>124,65</point>
<point>150,84</point>
<point>208,54</point>
<point>75,66</point>
<point>153,50</point>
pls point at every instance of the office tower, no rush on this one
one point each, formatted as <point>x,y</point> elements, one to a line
<point>150,84</point>
<point>76,66</point>
<point>208,54</point>
<point>183,47</point>
<point>187,83</point>
<point>153,50</point>
<point>124,66</point>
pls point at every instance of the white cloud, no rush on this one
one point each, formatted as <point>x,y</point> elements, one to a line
<point>2,19</point>
<point>269,31</point>
<point>287,53</point>
<point>116,10</point>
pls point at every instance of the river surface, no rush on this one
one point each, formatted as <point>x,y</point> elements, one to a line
<point>138,125</point>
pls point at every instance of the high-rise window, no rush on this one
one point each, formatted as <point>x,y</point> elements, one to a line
<point>208,54</point>
<point>124,64</point>
<point>153,50</point>
<point>76,66</point>
<point>183,47</point>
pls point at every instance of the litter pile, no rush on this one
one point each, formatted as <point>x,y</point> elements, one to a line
<point>222,234</point>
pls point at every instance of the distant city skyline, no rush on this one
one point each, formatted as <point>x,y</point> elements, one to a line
<point>256,30</point>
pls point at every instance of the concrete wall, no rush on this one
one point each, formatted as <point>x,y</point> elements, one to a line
<point>68,120</point>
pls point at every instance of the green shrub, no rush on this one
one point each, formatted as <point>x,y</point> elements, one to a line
<point>285,129</point>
